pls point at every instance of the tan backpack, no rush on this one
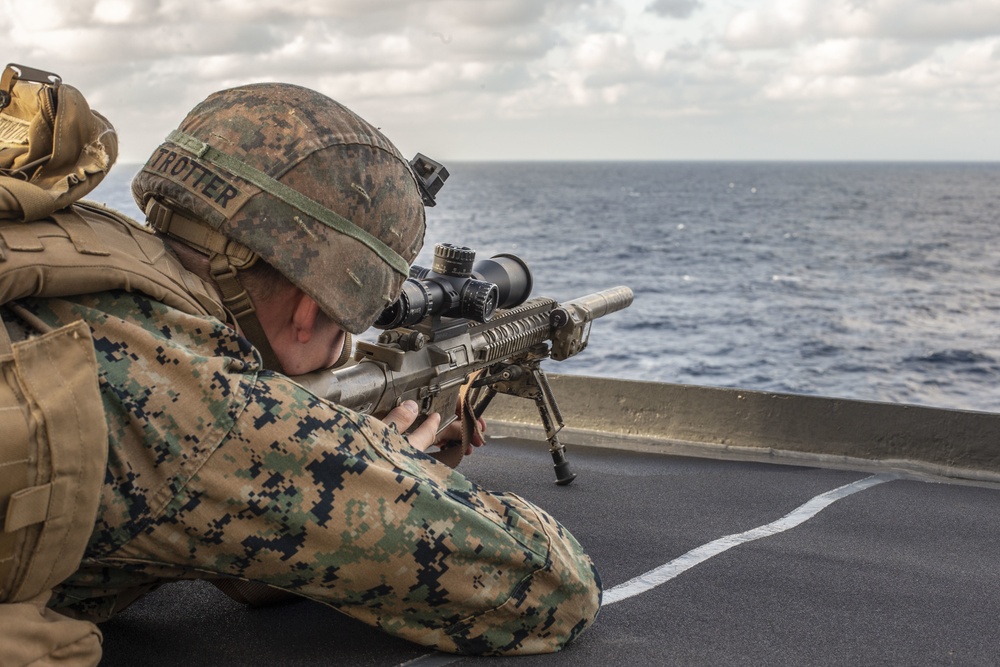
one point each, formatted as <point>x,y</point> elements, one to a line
<point>54,150</point>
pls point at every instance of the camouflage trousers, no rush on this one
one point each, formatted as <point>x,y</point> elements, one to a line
<point>337,507</point>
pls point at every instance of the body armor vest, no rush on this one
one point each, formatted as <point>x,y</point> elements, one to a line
<point>55,446</point>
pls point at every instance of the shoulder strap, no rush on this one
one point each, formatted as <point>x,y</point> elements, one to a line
<point>28,200</point>
<point>227,257</point>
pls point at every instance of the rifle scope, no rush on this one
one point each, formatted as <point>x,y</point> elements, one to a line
<point>458,286</point>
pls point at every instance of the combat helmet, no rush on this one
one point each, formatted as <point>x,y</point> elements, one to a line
<point>287,175</point>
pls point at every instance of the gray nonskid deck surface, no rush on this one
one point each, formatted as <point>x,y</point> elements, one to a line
<point>900,573</point>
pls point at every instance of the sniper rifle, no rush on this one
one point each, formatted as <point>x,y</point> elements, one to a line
<point>463,322</point>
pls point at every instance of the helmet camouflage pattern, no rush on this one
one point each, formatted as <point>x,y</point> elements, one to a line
<point>303,182</point>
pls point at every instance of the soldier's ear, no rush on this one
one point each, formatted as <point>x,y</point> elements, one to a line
<point>304,317</point>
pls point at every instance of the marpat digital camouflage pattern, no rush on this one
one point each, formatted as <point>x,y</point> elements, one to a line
<point>219,469</point>
<point>320,149</point>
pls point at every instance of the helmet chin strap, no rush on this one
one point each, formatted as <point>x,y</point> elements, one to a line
<point>226,259</point>
<point>237,301</point>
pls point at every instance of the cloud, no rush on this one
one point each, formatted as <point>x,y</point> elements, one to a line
<point>784,23</point>
<point>847,58</point>
<point>677,9</point>
<point>858,57</point>
<point>455,72</point>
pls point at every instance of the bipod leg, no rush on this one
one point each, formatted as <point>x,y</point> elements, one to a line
<point>552,421</point>
<point>483,402</point>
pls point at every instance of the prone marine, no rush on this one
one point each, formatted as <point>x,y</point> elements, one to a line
<point>152,433</point>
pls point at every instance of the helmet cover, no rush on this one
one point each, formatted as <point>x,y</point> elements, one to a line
<point>315,147</point>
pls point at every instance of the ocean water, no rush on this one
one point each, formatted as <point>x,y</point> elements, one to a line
<point>858,280</point>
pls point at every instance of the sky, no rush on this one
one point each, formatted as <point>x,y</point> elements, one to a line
<point>553,79</point>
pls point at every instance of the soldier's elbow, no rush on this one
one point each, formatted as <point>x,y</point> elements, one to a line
<point>545,612</point>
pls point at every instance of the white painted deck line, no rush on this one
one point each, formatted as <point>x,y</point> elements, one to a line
<point>799,515</point>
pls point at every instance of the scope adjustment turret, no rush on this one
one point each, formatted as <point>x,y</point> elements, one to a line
<point>453,260</point>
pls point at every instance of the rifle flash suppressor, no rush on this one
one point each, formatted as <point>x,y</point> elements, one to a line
<point>458,286</point>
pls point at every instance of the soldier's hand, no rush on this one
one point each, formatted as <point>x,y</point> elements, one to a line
<point>453,433</point>
<point>403,417</point>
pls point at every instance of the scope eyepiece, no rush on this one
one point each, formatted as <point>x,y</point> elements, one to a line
<point>458,286</point>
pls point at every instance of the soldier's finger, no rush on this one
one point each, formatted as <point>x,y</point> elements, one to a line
<point>478,438</point>
<point>403,415</point>
<point>425,435</point>
<point>452,431</point>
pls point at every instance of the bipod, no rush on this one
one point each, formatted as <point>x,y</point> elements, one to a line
<point>527,380</point>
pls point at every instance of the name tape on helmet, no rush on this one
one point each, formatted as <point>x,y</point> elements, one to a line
<point>214,188</point>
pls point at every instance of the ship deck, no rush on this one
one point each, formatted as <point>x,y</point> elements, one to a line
<point>778,559</point>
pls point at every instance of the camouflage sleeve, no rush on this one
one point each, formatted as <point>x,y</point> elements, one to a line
<point>337,507</point>
<point>217,469</point>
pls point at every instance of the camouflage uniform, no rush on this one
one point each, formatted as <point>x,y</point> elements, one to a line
<point>218,468</point>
